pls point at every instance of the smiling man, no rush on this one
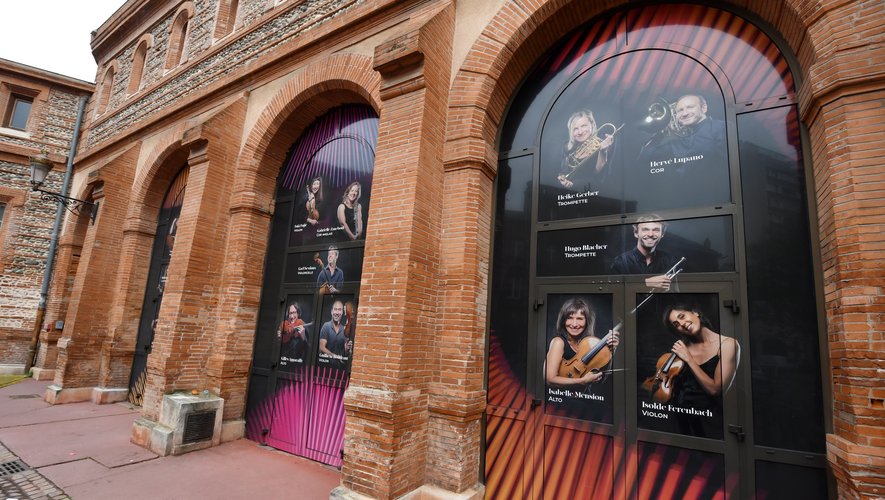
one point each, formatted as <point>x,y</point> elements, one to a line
<point>646,257</point>
<point>694,139</point>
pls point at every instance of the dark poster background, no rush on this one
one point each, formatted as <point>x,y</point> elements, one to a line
<point>653,164</point>
<point>592,402</point>
<point>706,243</point>
<point>295,391</point>
<point>653,346</point>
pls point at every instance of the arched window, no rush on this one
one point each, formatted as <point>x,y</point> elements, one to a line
<point>104,93</point>
<point>226,18</point>
<point>177,51</point>
<point>311,284</point>
<point>138,62</point>
<point>655,141</point>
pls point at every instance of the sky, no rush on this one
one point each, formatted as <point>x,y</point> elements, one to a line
<point>53,35</point>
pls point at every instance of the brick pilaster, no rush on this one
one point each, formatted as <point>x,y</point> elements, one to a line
<point>185,327</point>
<point>386,442</point>
<point>230,356</point>
<point>87,322</point>
<point>842,103</point>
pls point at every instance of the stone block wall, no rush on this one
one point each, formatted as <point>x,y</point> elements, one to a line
<point>207,65</point>
<point>26,227</point>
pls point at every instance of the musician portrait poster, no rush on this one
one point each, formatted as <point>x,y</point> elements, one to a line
<point>649,247</point>
<point>331,194</point>
<point>578,363</point>
<point>295,331</point>
<point>685,363</point>
<point>654,143</point>
<point>337,331</point>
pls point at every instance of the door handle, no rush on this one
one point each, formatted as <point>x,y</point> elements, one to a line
<point>738,431</point>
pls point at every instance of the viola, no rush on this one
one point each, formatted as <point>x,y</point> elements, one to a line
<point>588,358</point>
<point>662,385</point>
<point>348,313</point>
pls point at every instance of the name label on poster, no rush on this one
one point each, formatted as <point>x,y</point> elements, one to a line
<point>306,270</point>
<point>575,198</point>
<point>555,395</point>
<point>297,228</point>
<point>654,410</point>
<point>328,231</point>
<point>583,251</point>
<point>657,166</point>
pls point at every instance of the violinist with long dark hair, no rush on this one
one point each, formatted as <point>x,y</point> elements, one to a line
<point>292,334</point>
<point>310,199</point>
<point>711,362</point>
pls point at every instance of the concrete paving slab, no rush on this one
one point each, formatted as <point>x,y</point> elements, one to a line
<point>102,438</point>
<point>22,404</point>
<point>240,469</point>
<point>84,449</point>
<point>76,472</point>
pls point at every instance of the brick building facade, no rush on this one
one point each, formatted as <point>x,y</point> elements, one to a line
<point>223,91</point>
<point>39,109</point>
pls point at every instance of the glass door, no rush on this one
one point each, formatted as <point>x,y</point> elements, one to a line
<point>685,431</point>
<point>579,387</point>
<point>634,395</point>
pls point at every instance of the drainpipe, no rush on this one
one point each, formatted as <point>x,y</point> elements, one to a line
<point>53,242</point>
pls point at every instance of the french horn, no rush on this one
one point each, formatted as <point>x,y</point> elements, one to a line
<point>661,119</point>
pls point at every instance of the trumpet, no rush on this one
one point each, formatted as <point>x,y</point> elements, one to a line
<point>661,119</point>
<point>587,149</point>
<point>671,273</point>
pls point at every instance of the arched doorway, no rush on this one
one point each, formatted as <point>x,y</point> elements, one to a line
<point>652,188</point>
<point>310,295</point>
<point>161,256</point>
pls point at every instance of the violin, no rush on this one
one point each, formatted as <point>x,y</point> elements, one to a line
<point>588,358</point>
<point>663,383</point>
<point>327,286</point>
<point>311,206</point>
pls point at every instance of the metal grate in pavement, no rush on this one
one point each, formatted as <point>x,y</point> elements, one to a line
<point>13,467</point>
<point>25,396</point>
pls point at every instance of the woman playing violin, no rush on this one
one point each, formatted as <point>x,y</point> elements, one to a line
<point>575,322</point>
<point>711,362</point>
<point>311,199</point>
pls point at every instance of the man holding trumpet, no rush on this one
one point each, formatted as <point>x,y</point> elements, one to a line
<point>646,257</point>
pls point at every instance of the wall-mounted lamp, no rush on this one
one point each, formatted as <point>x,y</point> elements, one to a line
<point>40,167</point>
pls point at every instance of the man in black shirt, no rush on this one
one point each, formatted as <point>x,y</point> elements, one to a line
<point>646,258</point>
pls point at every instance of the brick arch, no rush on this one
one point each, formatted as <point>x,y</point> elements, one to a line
<point>148,189</point>
<point>518,35</point>
<point>338,79</point>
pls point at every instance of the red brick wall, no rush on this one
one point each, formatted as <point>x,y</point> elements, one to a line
<point>417,393</point>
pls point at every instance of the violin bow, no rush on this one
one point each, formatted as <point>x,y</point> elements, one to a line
<point>671,273</point>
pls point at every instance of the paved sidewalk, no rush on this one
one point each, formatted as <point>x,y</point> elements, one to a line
<point>82,451</point>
